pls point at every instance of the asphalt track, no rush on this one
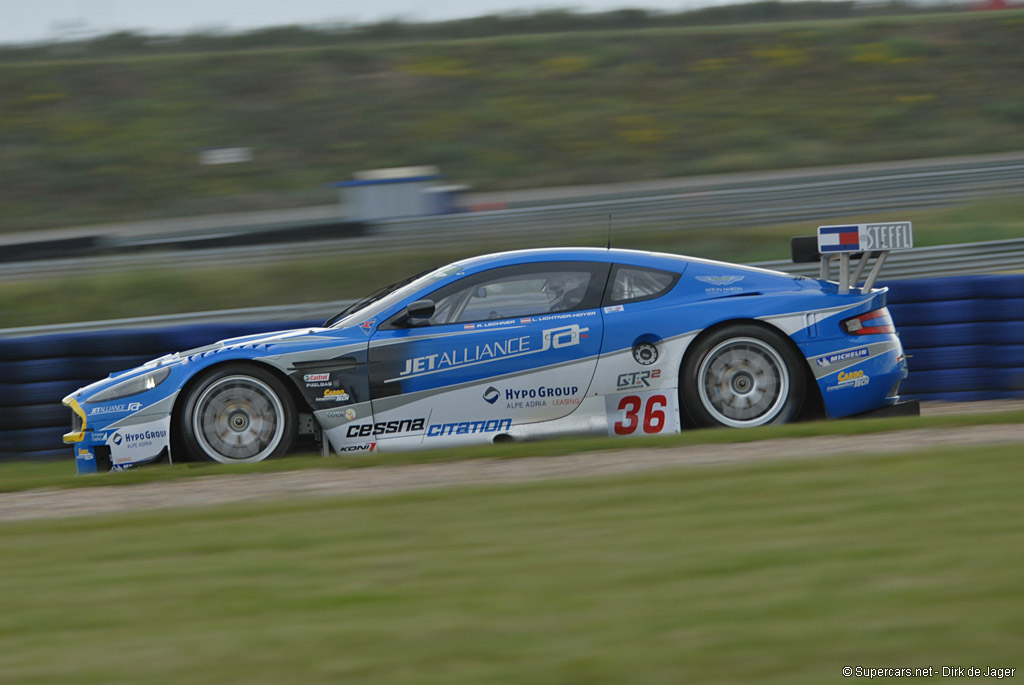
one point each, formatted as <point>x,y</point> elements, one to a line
<point>228,489</point>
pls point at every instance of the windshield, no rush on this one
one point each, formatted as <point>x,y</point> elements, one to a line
<point>381,300</point>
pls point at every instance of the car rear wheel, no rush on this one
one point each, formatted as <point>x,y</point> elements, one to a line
<point>238,414</point>
<point>742,376</point>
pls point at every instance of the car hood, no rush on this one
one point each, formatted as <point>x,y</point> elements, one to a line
<point>261,344</point>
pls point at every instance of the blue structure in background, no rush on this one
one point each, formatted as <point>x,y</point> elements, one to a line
<point>964,335</point>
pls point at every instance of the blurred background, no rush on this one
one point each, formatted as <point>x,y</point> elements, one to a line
<point>215,153</point>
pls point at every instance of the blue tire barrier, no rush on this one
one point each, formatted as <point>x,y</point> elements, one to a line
<point>982,333</point>
<point>965,356</point>
<point>998,287</point>
<point>1009,309</point>
<point>141,343</point>
<point>60,454</point>
<point>17,395</point>
<point>927,314</point>
<point>957,311</point>
<point>1006,332</point>
<point>84,344</point>
<point>38,370</point>
<point>936,358</point>
<point>956,380</point>
<point>944,334</point>
<point>967,396</point>
<point>930,290</point>
<point>47,415</point>
<point>35,440</point>
<point>101,367</point>
<point>39,347</point>
<point>1004,356</point>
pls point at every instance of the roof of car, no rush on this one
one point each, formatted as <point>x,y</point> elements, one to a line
<point>590,254</point>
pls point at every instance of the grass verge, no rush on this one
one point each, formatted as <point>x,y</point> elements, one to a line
<point>772,573</point>
<point>19,476</point>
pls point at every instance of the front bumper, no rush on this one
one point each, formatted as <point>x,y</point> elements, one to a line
<point>79,422</point>
<point>114,446</point>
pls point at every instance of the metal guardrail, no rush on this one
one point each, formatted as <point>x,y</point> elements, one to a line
<point>748,204</point>
<point>717,202</point>
<point>992,257</point>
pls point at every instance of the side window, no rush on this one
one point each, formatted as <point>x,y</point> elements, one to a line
<point>520,290</point>
<point>635,284</point>
<point>515,295</point>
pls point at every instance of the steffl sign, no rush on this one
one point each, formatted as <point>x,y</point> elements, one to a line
<point>896,235</point>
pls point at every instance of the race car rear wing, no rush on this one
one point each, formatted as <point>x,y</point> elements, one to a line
<point>859,242</point>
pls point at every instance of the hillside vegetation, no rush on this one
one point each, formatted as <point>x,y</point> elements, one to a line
<point>87,139</point>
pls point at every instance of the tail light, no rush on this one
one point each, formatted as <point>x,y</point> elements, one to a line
<point>877,321</point>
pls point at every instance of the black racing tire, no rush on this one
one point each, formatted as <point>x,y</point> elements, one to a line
<point>237,414</point>
<point>742,376</point>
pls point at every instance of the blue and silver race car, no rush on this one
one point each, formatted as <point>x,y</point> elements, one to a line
<point>509,347</point>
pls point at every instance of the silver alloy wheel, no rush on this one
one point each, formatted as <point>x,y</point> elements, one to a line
<point>238,419</point>
<point>743,382</point>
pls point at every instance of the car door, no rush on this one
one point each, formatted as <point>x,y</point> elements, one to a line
<point>642,350</point>
<point>507,346</point>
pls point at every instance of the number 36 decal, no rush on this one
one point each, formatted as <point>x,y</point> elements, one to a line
<point>642,413</point>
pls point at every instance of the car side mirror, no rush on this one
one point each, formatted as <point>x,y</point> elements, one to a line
<point>419,312</point>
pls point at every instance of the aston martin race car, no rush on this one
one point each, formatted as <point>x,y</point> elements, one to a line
<point>509,347</point>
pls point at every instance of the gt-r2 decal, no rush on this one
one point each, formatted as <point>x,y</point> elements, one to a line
<point>637,380</point>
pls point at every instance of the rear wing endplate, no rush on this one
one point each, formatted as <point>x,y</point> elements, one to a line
<point>854,245</point>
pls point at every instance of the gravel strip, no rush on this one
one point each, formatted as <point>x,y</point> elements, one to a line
<point>215,490</point>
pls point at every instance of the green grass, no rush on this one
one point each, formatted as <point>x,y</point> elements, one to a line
<point>780,572</point>
<point>17,476</point>
<point>96,140</point>
<point>156,290</point>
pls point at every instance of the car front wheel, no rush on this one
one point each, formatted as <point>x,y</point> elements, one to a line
<point>238,414</point>
<point>742,376</point>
